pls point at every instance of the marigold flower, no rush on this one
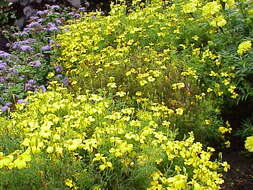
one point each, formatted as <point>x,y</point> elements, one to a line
<point>69,183</point>
<point>211,8</point>
<point>218,22</point>
<point>244,47</point>
<point>249,144</point>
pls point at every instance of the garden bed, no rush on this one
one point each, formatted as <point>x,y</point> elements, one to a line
<point>131,100</point>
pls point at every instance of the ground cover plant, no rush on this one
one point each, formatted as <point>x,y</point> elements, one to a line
<point>118,53</point>
<point>146,87</point>
<point>91,141</point>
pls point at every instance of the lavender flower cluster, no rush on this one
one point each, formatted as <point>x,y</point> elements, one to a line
<point>26,67</point>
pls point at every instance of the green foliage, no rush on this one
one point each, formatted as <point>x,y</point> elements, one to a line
<point>247,129</point>
<point>246,134</point>
<point>5,14</point>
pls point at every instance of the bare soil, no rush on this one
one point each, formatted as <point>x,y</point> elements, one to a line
<point>240,176</point>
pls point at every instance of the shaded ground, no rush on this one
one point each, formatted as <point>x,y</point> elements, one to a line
<point>3,43</point>
<point>240,176</point>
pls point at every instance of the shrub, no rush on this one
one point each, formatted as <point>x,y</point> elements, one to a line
<point>62,141</point>
<point>168,53</point>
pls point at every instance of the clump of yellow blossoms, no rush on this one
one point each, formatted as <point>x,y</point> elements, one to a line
<point>249,144</point>
<point>105,139</point>
<point>218,22</point>
<point>244,47</point>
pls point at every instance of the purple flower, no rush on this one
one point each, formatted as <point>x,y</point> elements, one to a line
<point>26,48</point>
<point>54,43</point>
<point>43,88</point>
<point>58,76</point>
<point>20,34</point>
<point>3,65</point>
<point>8,104</point>
<point>31,82</point>
<point>29,41</point>
<point>40,13</point>
<point>55,7</point>
<point>2,79</point>
<point>46,48</point>
<point>20,101</point>
<point>66,81</point>
<point>35,63</point>
<point>52,27</point>
<point>14,71</point>
<point>34,24</point>
<point>58,68</point>
<point>4,108</point>
<point>30,85</point>
<point>34,17</point>
<point>27,30</point>
<point>38,55</point>
<point>41,20</point>
<point>82,9</point>
<point>75,15</point>
<point>58,21</point>
<point>4,54</point>
<point>17,45</point>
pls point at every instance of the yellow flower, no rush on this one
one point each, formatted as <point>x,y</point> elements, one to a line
<point>244,47</point>
<point>69,183</point>
<point>26,142</point>
<point>179,111</point>
<point>151,79</point>
<point>112,85</point>
<point>19,163</point>
<point>218,22</point>
<point>224,130</point>
<point>73,144</point>
<point>138,93</point>
<point>211,8</point>
<point>189,7</point>
<point>102,167</point>
<point>50,149</point>
<point>227,144</point>
<point>58,150</point>
<point>178,85</point>
<point>143,82</point>
<point>120,94</point>
<point>166,123</point>
<point>178,182</point>
<point>207,121</point>
<point>50,75</point>
<point>226,166</point>
<point>229,3</point>
<point>99,157</point>
<point>96,188</point>
<point>249,144</point>
<point>195,37</point>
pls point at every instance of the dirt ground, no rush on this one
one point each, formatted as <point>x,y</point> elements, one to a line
<point>240,176</point>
